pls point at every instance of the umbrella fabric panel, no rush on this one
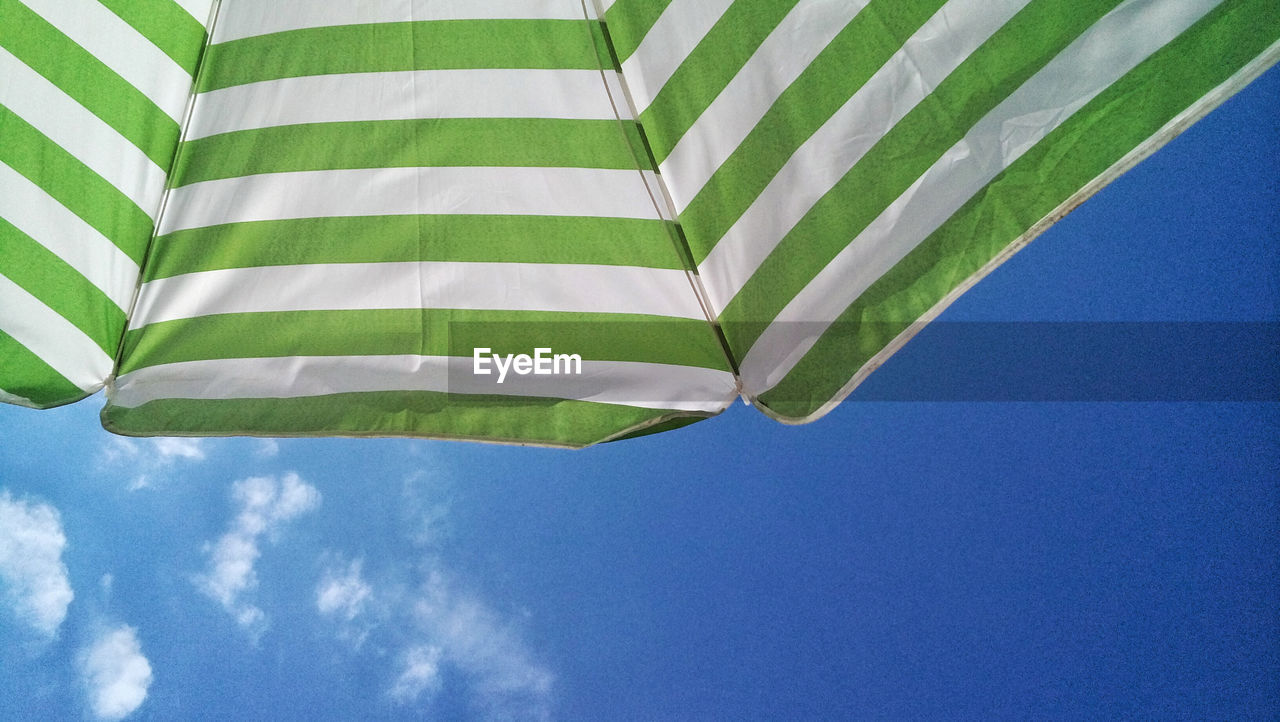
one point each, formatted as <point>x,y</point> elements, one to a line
<point>843,171</point>
<point>365,198</point>
<point>91,98</point>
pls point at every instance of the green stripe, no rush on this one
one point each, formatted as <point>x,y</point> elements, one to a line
<point>88,81</point>
<point>1012,55</point>
<point>514,419</point>
<point>628,21</point>
<point>855,54</point>
<point>708,69</point>
<point>1078,151</point>
<point>60,287</point>
<point>605,58</point>
<point>429,332</point>
<point>374,239</point>
<point>25,374</point>
<point>166,25</point>
<point>527,142</point>
<point>73,185</point>
<point>380,47</point>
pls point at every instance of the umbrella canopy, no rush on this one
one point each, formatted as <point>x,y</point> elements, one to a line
<point>545,221</point>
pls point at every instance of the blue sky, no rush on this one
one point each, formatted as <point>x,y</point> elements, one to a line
<point>895,559</point>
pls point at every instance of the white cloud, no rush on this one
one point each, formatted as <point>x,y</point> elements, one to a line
<point>265,505</point>
<point>31,568</point>
<point>345,597</point>
<point>507,682</point>
<point>343,594</point>
<point>267,448</point>
<point>147,458</point>
<point>425,503</point>
<point>419,672</point>
<point>115,673</point>
<point>473,639</point>
<point>429,624</point>
<point>170,448</point>
<point>119,448</point>
<point>465,634</point>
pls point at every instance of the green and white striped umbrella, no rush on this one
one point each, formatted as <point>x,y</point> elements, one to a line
<point>324,217</point>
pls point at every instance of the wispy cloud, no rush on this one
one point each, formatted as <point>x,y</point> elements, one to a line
<point>266,448</point>
<point>344,596</point>
<point>115,673</point>
<point>486,648</point>
<point>342,593</point>
<point>419,672</point>
<point>438,627</point>
<point>265,505</point>
<point>177,448</point>
<point>147,459</point>
<point>34,577</point>
<point>425,502</point>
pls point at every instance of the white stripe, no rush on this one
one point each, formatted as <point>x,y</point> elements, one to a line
<point>198,9</point>
<point>411,191</point>
<point>775,65</point>
<point>617,95</point>
<point>53,338</point>
<point>247,19</point>
<point>127,52</point>
<point>677,31</point>
<point>630,383</point>
<point>604,6</point>
<point>1101,56</point>
<point>81,133</point>
<point>906,79</point>
<point>433,285</point>
<point>400,95</point>
<point>34,212</point>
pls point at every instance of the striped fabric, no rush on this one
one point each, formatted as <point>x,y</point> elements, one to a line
<point>698,198</point>
<point>367,193</point>
<point>844,170</point>
<point>91,98</point>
